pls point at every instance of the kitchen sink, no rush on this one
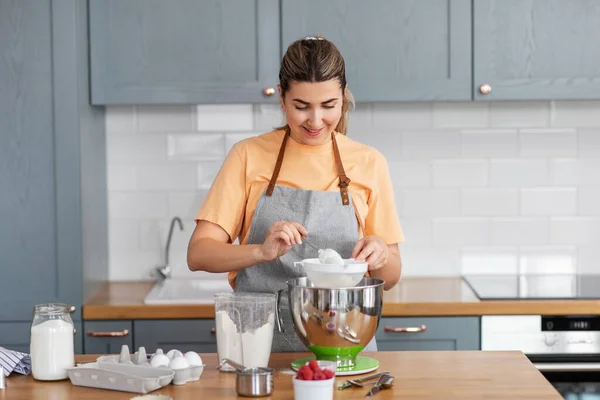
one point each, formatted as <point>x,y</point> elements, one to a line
<point>186,291</point>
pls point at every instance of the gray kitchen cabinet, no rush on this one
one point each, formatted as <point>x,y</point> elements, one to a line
<point>184,51</point>
<point>53,235</point>
<point>439,333</point>
<point>16,336</point>
<point>537,49</point>
<point>185,335</point>
<point>107,337</point>
<point>394,50</point>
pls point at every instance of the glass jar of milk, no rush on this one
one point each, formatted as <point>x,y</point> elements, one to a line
<point>52,342</point>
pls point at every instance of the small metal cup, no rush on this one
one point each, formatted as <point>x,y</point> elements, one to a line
<point>251,382</point>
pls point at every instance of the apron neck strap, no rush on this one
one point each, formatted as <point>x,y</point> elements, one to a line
<point>344,180</point>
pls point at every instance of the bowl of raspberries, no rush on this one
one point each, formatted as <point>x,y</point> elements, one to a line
<point>315,380</point>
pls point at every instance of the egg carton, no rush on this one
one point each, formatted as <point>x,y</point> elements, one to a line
<point>122,377</point>
<point>186,368</point>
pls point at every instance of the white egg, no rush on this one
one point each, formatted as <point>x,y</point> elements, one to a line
<point>174,353</point>
<point>179,363</point>
<point>193,358</point>
<point>160,360</point>
<point>330,256</point>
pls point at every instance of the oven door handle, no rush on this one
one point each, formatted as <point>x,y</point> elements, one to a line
<point>567,366</point>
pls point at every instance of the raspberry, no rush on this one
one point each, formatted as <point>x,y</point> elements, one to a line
<point>319,376</point>
<point>300,376</point>
<point>309,375</point>
<point>328,373</point>
<point>314,365</point>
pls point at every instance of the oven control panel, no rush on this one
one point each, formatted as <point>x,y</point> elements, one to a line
<point>536,334</point>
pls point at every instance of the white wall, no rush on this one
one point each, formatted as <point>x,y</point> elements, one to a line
<point>480,187</point>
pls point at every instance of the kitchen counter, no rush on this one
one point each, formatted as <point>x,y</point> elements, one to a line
<point>411,297</point>
<point>419,375</point>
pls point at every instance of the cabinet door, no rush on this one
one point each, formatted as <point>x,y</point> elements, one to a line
<point>395,50</point>
<point>183,51</point>
<point>40,237</point>
<point>107,337</point>
<point>536,49</point>
<point>184,335</point>
<point>431,333</point>
<point>16,336</point>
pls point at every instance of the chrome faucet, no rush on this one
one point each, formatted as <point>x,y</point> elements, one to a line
<point>164,272</point>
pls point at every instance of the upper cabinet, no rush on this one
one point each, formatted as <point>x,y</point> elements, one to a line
<point>394,50</point>
<point>184,51</point>
<point>536,49</point>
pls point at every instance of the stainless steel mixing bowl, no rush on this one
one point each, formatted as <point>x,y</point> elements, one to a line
<point>336,324</point>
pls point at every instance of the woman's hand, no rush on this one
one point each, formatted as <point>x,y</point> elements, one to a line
<point>281,237</point>
<point>373,250</point>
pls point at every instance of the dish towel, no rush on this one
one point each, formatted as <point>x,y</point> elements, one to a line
<point>16,361</point>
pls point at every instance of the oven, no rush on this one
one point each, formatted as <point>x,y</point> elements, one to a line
<point>565,349</point>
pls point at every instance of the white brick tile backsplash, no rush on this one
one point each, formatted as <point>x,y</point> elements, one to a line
<point>132,148</point>
<point>410,174</point>
<point>576,172</point>
<point>575,230</point>
<point>186,204</point>
<point>461,231</point>
<point>548,259</point>
<point>489,260</point>
<point>267,117</point>
<point>123,234</point>
<point>191,146</point>
<point>575,114</point>
<point>548,143</point>
<point>137,204</point>
<point>233,138</point>
<point>417,231</point>
<point>430,260</point>
<point>589,143</point>
<point>165,177</point>
<point>461,115</point>
<point>519,173</point>
<point>430,145</point>
<point>120,119</point>
<point>430,203</point>
<point>520,231</point>
<point>519,114</point>
<point>225,117</point>
<point>401,116</point>
<point>490,187</point>
<point>206,173</point>
<point>166,118</point>
<point>490,202</point>
<point>460,173</point>
<point>549,201</point>
<point>489,143</point>
<point>588,198</point>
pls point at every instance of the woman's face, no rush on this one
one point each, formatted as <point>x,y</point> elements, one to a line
<point>313,110</point>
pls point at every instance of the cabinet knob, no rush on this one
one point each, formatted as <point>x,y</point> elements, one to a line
<point>415,329</point>
<point>123,333</point>
<point>213,331</point>
<point>269,91</point>
<point>485,88</point>
<point>72,309</point>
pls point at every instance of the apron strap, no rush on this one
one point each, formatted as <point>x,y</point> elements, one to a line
<point>278,163</point>
<point>344,180</point>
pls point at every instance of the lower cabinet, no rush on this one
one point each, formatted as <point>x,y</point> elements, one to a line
<point>16,336</point>
<point>185,335</point>
<point>428,333</point>
<point>107,337</point>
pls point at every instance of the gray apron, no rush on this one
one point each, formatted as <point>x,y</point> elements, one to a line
<point>331,222</point>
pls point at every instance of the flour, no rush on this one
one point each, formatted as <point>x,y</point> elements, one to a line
<point>251,348</point>
<point>52,350</point>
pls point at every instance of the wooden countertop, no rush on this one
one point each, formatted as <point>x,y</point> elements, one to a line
<point>419,375</point>
<point>411,297</point>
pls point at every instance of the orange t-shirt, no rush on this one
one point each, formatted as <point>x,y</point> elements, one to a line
<point>245,175</point>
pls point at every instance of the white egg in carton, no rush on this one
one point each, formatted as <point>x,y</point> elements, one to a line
<point>187,367</point>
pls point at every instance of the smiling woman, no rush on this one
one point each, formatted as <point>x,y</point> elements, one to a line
<point>305,182</point>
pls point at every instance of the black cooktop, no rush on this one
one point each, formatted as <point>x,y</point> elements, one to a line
<point>535,287</point>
